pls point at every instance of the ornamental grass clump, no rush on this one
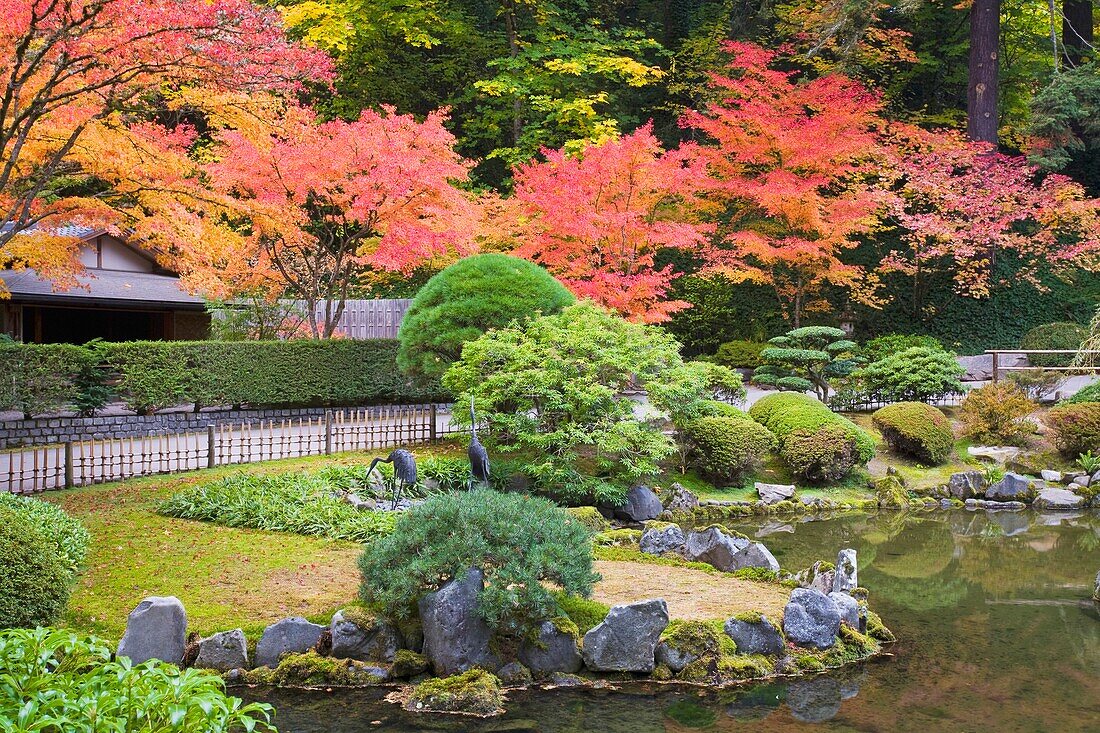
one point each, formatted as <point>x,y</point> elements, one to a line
<point>55,681</point>
<point>519,542</point>
<point>916,430</point>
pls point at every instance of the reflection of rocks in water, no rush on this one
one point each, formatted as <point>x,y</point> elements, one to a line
<point>966,524</point>
<point>1055,519</point>
<point>814,701</point>
<point>754,703</point>
<point>586,712</point>
<point>774,527</point>
<point>923,594</point>
<point>1011,523</point>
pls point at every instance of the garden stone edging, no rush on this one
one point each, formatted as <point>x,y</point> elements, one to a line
<point>294,635</point>
<point>626,640</point>
<point>1013,487</point>
<point>553,650</point>
<point>155,629</point>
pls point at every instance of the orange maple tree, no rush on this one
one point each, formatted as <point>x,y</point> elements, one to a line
<point>792,162</point>
<point>596,220</point>
<point>70,67</point>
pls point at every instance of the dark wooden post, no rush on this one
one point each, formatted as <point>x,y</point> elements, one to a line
<point>211,456</point>
<point>982,84</point>
<point>69,482</point>
<point>433,435</point>
<point>328,432</point>
<point>996,366</point>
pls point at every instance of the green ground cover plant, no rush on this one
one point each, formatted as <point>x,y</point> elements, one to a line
<point>66,533</point>
<point>56,681</point>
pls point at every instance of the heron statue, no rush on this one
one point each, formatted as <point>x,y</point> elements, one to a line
<point>479,458</point>
<point>404,472</point>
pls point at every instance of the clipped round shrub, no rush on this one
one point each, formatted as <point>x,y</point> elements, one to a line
<point>519,542</point>
<point>1075,429</point>
<point>917,430</point>
<point>785,412</point>
<point>35,584</point>
<point>727,447</point>
<point>68,535</point>
<point>467,299</point>
<point>820,455</point>
<point>739,354</point>
<point>918,373</point>
<point>1054,336</point>
<point>997,413</point>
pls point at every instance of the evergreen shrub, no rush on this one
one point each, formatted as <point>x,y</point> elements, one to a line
<point>816,443</point>
<point>1075,428</point>
<point>997,413</point>
<point>725,448</point>
<point>917,430</point>
<point>35,582</point>
<point>918,373</point>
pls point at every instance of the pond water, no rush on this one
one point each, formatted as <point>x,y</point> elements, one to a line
<point>996,633</point>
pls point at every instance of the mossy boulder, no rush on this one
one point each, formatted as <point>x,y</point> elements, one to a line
<point>359,634</point>
<point>684,642</point>
<point>754,633</point>
<point>313,670</point>
<point>590,517</point>
<point>474,692</point>
<point>555,647</point>
<point>407,663</point>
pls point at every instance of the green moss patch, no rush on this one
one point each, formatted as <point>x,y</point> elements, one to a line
<point>581,612</point>
<point>312,670</point>
<point>475,692</point>
<point>407,663</point>
<point>590,517</point>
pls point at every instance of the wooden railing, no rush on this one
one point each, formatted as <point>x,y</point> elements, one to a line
<point>998,368</point>
<point>81,463</point>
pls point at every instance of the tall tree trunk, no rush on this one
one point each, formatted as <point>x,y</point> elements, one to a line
<point>981,93</point>
<point>1077,33</point>
<point>511,29</point>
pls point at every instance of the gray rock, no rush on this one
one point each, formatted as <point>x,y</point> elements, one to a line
<point>455,636</point>
<point>514,674</point>
<point>966,485</point>
<point>223,651</point>
<point>641,505</point>
<point>1049,475</point>
<point>1094,478</point>
<point>1013,487</point>
<point>553,650</point>
<point>811,618</point>
<point>1050,498</point>
<point>726,552</point>
<point>980,368</point>
<point>847,576</point>
<point>1074,487</point>
<point>997,453</point>
<point>378,642</point>
<point>290,636</point>
<point>626,641</point>
<point>674,658</point>
<point>815,700</point>
<point>850,611</point>
<point>155,629</point>
<point>995,506</point>
<point>774,493</point>
<point>755,637</point>
<point>1084,479</point>
<point>816,578</point>
<point>680,499</point>
<point>659,540</point>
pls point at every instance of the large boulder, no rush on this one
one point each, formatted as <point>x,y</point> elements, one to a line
<point>726,552</point>
<point>1055,498</point>
<point>555,649</point>
<point>359,636</point>
<point>223,651</point>
<point>997,453</point>
<point>966,485</point>
<point>846,575</point>
<point>641,505</point>
<point>774,493</point>
<point>680,499</point>
<point>811,619</point>
<point>755,635</point>
<point>626,640</point>
<point>155,629</point>
<point>456,638</point>
<point>1013,487</point>
<point>662,538</point>
<point>292,635</point>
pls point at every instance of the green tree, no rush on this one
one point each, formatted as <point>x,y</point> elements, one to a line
<point>806,358</point>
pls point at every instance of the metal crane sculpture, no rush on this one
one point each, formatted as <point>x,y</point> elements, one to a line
<point>404,472</point>
<point>479,458</point>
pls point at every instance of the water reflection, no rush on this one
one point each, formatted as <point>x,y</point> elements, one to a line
<point>995,630</point>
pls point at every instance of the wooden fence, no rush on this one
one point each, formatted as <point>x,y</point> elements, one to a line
<point>81,463</point>
<point>369,319</point>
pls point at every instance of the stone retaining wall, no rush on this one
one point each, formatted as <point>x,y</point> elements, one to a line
<point>52,430</point>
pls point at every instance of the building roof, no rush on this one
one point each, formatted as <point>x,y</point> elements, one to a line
<point>104,288</point>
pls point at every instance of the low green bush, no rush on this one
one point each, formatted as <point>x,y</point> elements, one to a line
<point>998,413</point>
<point>55,681</point>
<point>739,354</point>
<point>519,542</point>
<point>895,343</point>
<point>725,448</point>
<point>1089,393</point>
<point>799,423</point>
<point>1075,429</point>
<point>297,503</point>
<point>1054,336</point>
<point>916,374</point>
<point>821,455</point>
<point>467,299</point>
<point>35,582</point>
<point>916,430</point>
<point>66,533</point>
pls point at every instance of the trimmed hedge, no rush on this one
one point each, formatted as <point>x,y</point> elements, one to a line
<point>152,375</point>
<point>727,447</point>
<point>1075,429</point>
<point>795,418</point>
<point>917,430</point>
